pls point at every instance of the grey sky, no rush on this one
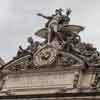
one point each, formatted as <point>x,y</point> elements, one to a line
<point>18,21</point>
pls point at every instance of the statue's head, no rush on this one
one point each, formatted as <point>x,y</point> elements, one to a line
<point>30,40</point>
<point>68,12</point>
<point>58,11</point>
<point>20,47</point>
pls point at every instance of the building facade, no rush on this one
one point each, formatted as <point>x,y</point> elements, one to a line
<point>60,68</point>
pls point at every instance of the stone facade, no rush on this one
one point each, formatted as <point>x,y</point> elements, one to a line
<point>60,68</point>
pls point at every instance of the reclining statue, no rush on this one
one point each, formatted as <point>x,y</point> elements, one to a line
<point>31,49</point>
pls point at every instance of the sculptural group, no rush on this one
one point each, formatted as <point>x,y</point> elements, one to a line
<point>62,45</point>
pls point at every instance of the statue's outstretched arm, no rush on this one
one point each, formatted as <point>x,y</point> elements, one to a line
<point>46,17</point>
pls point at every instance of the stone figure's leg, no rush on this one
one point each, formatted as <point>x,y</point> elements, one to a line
<point>55,28</point>
<point>60,36</point>
<point>51,29</point>
<point>49,34</point>
<point>58,32</point>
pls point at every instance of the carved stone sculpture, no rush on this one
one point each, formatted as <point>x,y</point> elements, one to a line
<point>61,64</point>
<point>64,48</point>
<point>55,23</point>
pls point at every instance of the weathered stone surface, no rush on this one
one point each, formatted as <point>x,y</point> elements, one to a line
<point>60,68</point>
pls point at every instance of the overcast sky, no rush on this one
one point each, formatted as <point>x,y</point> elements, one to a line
<point>18,21</point>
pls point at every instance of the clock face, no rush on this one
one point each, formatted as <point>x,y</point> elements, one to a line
<point>45,56</point>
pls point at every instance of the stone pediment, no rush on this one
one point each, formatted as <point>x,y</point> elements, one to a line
<point>46,56</point>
